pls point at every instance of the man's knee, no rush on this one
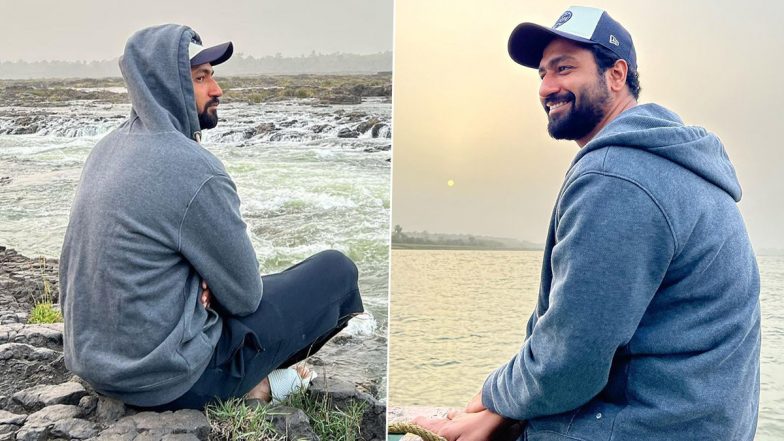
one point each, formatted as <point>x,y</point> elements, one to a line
<point>338,263</point>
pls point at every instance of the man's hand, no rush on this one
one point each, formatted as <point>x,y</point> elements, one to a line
<point>476,426</point>
<point>473,406</point>
<point>206,296</point>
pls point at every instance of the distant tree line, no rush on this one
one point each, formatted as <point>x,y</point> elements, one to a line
<point>239,65</point>
<point>425,239</point>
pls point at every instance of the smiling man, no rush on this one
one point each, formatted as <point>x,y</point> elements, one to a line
<point>159,282</point>
<point>647,325</point>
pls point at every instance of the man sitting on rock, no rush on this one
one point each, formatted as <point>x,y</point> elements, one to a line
<point>160,285</point>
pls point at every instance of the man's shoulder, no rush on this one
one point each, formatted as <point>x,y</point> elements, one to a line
<point>177,152</point>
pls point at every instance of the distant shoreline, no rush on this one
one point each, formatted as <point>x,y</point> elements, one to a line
<point>430,246</point>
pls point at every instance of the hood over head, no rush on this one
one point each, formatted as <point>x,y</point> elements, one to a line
<point>661,132</point>
<point>157,70</point>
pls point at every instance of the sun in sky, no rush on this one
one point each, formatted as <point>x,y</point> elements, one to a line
<point>450,183</point>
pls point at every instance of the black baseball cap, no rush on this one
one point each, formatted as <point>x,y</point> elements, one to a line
<point>580,24</point>
<point>214,55</point>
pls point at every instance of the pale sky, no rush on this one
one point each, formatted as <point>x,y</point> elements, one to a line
<point>463,110</point>
<point>36,30</point>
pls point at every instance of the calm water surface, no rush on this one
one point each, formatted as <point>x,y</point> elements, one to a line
<point>457,315</point>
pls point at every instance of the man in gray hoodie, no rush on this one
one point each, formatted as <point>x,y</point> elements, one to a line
<point>647,325</point>
<point>160,285</point>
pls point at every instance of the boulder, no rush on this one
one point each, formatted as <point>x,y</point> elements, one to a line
<point>348,133</point>
<point>24,366</point>
<point>109,410</point>
<point>38,397</point>
<point>367,125</point>
<point>73,428</point>
<point>43,336</point>
<point>154,425</point>
<point>342,393</point>
<point>11,418</point>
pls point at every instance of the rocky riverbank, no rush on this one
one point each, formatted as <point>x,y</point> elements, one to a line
<point>254,89</point>
<point>40,400</point>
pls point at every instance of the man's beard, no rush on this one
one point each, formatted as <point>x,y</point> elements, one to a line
<point>207,119</point>
<point>584,115</point>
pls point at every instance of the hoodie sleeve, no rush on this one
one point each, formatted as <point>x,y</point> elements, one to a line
<point>613,248</point>
<point>214,239</point>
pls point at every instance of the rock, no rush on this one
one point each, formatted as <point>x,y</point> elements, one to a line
<point>74,428</point>
<point>38,425</point>
<point>380,148</point>
<point>37,433</point>
<point>88,404</point>
<point>348,133</point>
<point>49,415</point>
<point>8,432</point>
<point>153,424</point>
<point>381,130</point>
<point>22,282</point>
<point>24,366</point>
<point>292,422</point>
<point>353,117</point>
<point>13,317</point>
<point>27,124</point>
<point>367,125</point>
<point>109,410</point>
<point>264,128</point>
<point>11,418</point>
<point>341,98</point>
<point>180,437</point>
<point>367,90</point>
<point>342,393</point>
<point>45,336</point>
<point>38,397</point>
<point>318,128</point>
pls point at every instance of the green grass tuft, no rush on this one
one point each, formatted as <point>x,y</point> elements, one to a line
<point>235,420</point>
<point>329,422</point>
<point>44,311</point>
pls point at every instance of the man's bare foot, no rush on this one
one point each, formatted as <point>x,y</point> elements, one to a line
<point>263,392</point>
<point>302,371</point>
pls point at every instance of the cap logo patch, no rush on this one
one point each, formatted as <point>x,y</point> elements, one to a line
<point>562,19</point>
<point>614,40</point>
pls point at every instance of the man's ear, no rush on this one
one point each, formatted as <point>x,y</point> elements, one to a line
<point>616,75</point>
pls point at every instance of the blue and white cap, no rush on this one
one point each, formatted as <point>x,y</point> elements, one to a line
<point>578,23</point>
<point>214,55</point>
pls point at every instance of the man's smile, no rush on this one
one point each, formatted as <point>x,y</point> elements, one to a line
<point>556,107</point>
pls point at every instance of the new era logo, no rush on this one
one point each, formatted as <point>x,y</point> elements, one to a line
<point>614,40</point>
<point>562,19</point>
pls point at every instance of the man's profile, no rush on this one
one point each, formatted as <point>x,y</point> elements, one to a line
<point>647,325</point>
<point>163,303</point>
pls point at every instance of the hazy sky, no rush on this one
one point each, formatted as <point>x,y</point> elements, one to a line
<point>97,29</point>
<point>463,110</point>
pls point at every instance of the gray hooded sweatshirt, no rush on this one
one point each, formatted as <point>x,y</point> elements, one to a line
<point>648,320</point>
<point>154,215</point>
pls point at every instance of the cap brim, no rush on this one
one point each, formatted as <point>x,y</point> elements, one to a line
<point>214,55</point>
<point>528,40</point>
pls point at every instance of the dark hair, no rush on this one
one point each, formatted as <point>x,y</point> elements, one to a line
<point>606,58</point>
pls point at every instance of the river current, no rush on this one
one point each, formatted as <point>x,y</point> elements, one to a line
<point>310,177</point>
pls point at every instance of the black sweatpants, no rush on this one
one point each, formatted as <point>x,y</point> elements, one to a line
<point>300,310</point>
